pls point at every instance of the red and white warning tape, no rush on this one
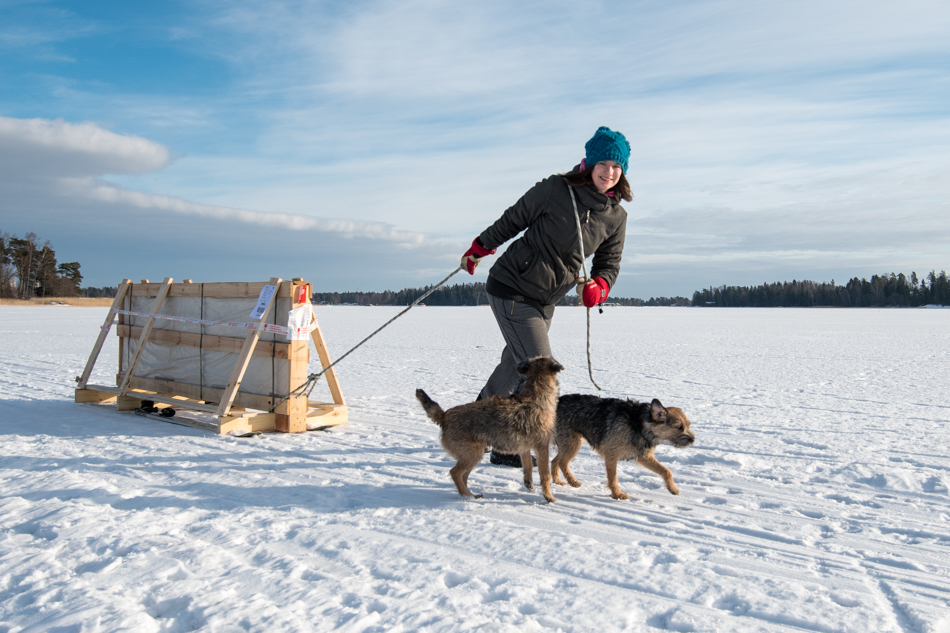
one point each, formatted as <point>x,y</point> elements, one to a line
<point>266,327</point>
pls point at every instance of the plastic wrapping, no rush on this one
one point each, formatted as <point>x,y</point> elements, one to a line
<point>266,376</point>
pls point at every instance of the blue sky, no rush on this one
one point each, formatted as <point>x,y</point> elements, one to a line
<point>362,145</point>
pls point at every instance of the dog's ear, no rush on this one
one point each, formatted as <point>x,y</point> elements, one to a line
<point>658,412</point>
<point>524,366</point>
<point>556,366</point>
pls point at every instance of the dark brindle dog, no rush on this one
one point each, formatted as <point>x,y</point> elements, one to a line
<point>516,424</point>
<point>617,429</point>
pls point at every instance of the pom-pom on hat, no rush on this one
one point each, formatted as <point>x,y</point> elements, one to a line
<point>607,145</point>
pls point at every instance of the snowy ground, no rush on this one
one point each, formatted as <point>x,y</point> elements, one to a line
<point>815,497</point>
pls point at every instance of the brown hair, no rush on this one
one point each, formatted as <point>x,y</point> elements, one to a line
<point>582,178</point>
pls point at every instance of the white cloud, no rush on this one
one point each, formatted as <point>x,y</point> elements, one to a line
<point>104,192</point>
<point>39,148</point>
<point>68,160</point>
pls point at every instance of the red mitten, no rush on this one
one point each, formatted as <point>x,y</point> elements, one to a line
<point>595,292</point>
<point>474,255</point>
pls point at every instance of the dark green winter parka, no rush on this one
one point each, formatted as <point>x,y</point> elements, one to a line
<point>542,264</point>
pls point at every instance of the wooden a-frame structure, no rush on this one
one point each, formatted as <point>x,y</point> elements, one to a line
<point>233,409</point>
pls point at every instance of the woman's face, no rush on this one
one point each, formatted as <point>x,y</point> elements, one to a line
<point>606,174</point>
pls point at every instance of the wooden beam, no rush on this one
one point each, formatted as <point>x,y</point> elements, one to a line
<point>269,349</point>
<point>123,343</point>
<point>206,394</point>
<point>249,344</point>
<point>292,412</point>
<point>128,401</point>
<point>332,382</point>
<point>103,333</point>
<point>156,306</point>
<point>260,422</point>
<point>321,413</point>
<point>90,395</point>
<point>219,290</point>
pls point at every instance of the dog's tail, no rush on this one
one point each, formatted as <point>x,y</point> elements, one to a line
<point>433,410</point>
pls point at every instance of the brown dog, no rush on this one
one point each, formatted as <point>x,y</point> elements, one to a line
<point>516,424</point>
<point>617,429</point>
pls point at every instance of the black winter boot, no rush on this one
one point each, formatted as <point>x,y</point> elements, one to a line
<point>504,459</point>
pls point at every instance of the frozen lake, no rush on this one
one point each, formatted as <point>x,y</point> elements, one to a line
<point>815,498</point>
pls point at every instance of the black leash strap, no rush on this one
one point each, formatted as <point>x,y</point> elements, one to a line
<point>312,379</point>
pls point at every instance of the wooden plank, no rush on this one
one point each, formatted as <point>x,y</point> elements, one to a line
<point>184,420</point>
<point>315,404</point>
<point>176,402</point>
<point>89,395</point>
<point>128,403</point>
<point>133,399</point>
<point>337,411</point>
<point>228,344</point>
<point>292,412</point>
<point>123,343</point>
<point>257,423</point>
<point>103,333</point>
<point>218,290</point>
<point>328,413</point>
<point>332,382</point>
<point>250,343</point>
<point>208,394</point>
<point>327,417</point>
<point>156,306</point>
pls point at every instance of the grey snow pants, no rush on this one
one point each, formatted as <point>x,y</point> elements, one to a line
<point>525,330</point>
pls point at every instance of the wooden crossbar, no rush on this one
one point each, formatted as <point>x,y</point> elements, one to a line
<point>249,344</point>
<point>150,323</point>
<point>207,342</point>
<point>332,382</point>
<point>103,333</point>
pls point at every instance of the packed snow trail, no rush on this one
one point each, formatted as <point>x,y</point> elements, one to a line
<point>815,498</point>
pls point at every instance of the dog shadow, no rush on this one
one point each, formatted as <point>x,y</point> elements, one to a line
<point>72,421</point>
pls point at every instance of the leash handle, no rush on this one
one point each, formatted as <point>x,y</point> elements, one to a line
<point>580,244</point>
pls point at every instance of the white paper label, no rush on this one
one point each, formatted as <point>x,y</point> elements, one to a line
<point>298,322</point>
<point>267,293</point>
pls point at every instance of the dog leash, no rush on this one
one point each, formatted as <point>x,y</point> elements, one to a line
<point>580,243</point>
<point>312,379</point>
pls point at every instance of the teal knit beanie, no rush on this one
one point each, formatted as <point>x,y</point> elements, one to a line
<point>607,145</point>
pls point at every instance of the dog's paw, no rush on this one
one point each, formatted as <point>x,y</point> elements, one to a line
<point>478,496</point>
<point>674,490</point>
<point>574,483</point>
<point>620,496</point>
<point>529,485</point>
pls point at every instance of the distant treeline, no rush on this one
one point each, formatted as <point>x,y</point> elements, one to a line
<point>28,268</point>
<point>472,294</point>
<point>881,291</point>
<point>107,292</point>
<point>895,290</point>
<point>457,295</point>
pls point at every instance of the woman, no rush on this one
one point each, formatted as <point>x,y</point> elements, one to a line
<point>543,264</point>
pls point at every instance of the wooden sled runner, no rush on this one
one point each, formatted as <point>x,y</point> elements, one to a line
<point>194,347</point>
